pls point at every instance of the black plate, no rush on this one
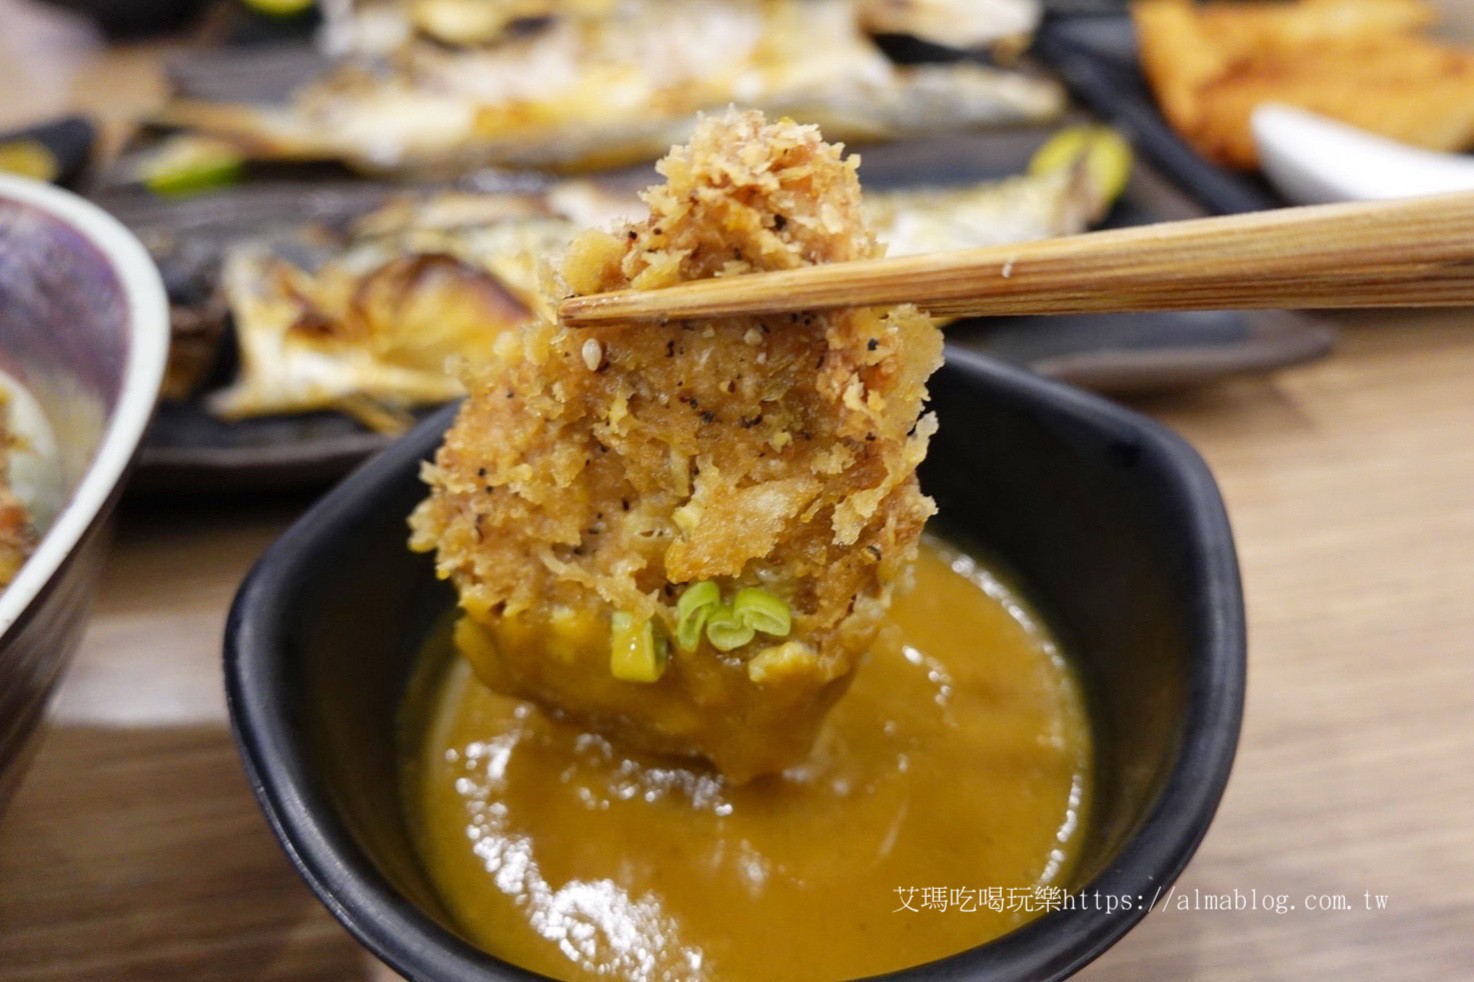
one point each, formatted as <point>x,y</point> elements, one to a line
<point>188,449</point>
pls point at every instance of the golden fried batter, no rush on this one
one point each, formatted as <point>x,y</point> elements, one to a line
<point>593,476</point>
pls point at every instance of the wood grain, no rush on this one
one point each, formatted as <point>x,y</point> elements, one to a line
<point>1416,252</point>
<point>135,849</point>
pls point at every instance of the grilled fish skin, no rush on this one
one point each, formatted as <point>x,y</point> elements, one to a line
<point>583,93</point>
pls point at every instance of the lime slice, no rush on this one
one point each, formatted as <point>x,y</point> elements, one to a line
<point>188,165</point>
<point>1106,153</point>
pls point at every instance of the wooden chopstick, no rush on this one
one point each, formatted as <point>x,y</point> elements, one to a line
<point>1413,252</point>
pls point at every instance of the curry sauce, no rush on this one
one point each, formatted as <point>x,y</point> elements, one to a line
<point>942,806</point>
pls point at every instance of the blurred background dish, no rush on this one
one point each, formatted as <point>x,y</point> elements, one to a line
<point>1095,53</point>
<point>1183,81</point>
<point>1371,63</point>
<point>83,334</point>
<point>336,612</point>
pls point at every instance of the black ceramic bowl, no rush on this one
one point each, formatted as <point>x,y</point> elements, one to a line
<point>1113,524</point>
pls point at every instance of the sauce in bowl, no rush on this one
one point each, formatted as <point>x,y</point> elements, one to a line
<point>943,805</point>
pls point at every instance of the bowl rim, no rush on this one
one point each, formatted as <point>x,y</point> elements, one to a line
<point>143,372</point>
<point>1052,946</point>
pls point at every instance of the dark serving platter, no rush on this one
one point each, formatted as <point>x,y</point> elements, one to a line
<point>188,449</point>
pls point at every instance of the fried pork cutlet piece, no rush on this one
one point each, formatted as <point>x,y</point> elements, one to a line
<point>686,535</point>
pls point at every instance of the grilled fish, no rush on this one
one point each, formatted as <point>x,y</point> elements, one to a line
<point>586,92</point>
<point>371,322</point>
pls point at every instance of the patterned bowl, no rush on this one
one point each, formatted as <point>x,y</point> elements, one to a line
<point>84,328</point>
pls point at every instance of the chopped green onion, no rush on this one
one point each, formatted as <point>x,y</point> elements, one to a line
<point>725,630</point>
<point>636,654</point>
<point>762,611</point>
<point>692,609</point>
<point>727,627</point>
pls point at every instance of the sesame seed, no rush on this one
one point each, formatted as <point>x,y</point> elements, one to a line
<point>593,354</point>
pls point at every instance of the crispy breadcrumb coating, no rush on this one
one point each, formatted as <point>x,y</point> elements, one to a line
<point>606,470</point>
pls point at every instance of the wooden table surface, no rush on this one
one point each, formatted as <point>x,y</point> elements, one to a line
<point>135,850</point>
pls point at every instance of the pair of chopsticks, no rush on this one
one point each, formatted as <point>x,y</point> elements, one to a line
<point>1414,252</point>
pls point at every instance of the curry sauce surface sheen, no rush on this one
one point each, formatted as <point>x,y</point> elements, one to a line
<point>960,758</point>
